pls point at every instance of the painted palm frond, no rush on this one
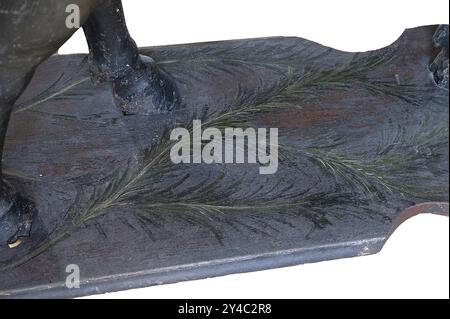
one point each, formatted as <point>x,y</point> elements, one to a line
<point>61,88</point>
<point>400,163</point>
<point>354,73</point>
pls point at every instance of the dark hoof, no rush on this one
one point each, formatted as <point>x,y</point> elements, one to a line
<point>146,90</point>
<point>439,67</point>
<point>16,217</point>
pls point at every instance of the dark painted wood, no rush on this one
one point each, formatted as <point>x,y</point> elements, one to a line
<point>363,136</point>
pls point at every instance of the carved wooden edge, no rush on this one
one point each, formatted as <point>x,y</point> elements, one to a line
<point>435,208</point>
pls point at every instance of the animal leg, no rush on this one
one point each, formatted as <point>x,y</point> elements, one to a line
<point>139,85</point>
<point>31,32</point>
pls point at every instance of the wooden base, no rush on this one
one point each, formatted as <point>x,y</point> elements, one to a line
<point>363,137</point>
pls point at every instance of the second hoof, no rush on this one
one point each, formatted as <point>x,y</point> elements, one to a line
<point>16,218</point>
<point>439,67</point>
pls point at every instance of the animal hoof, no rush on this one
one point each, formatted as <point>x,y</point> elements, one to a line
<point>146,90</point>
<point>439,67</point>
<point>16,217</point>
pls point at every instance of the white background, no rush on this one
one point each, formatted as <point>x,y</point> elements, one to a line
<point>415,261</point>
